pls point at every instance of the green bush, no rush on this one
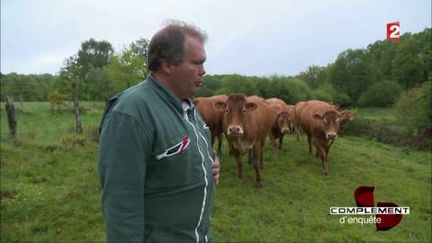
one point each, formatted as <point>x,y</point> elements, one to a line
<point>381,94</point>
<point>324,92</point>
<point>426,102</point>
<point>237,84</point>
<point>413,109</point>
<point>342,99</point>
<point>289,89</point>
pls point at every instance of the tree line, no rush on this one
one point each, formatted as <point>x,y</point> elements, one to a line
<point>373,76</point>
<point>96,69</point>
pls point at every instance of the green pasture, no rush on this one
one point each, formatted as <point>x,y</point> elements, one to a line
<point>50,187</point>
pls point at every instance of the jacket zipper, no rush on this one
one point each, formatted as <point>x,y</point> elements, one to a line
<point>205,176</point>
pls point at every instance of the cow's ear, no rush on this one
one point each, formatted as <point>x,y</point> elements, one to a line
<point>220,105</point>
<point>347,115</point>
<point>317,116</point>
<point>250,106</point>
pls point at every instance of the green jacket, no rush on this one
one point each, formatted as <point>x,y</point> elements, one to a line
<point>155,168</point>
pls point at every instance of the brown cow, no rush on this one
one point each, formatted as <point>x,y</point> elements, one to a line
<point>282,123</point>
<point>297,111</point>
<point>212,116</point>
<point>322,122</point>
<point>291,110</point>
<point>298,108</point>
<point>246,124</point>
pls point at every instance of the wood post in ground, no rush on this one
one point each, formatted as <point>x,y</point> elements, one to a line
<point>75,94</point>
<point>11,115</point>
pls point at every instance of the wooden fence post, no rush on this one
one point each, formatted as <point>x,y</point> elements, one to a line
<point>11,115</point>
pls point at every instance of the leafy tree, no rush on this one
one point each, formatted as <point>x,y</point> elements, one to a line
<point>93,54</point>
<point>140,48</point>
<point>313,76</point>
<point>101,86</point>
<point>351,73</point>
<point>21,87</point>
<point>71,72</point>
<point>128,67</point>
<point>382,54</point>
<point>411,65</point>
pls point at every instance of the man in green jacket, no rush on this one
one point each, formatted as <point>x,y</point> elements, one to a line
<point>156,165</point>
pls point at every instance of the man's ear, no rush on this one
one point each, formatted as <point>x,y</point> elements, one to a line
<point>250,106</point>
<point>220,105</point>
<point>166,66</point>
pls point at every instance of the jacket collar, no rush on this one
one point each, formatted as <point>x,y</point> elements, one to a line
<point>168,95</point>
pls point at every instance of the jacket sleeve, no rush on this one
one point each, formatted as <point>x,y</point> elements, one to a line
<point>123,155</point>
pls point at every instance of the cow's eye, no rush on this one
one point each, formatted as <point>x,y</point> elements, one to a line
<point>244,112</point>
<point>226,110</point>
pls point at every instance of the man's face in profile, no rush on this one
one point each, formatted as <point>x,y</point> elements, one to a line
<point>189,73</point>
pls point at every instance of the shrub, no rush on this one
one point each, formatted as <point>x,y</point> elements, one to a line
<point>57,100</point>
<point>380,94</point>
<point>324,92</point>
<point>342,99</point>
<point>413,109</point>
<point>235,83</point>
<point>289,89</point>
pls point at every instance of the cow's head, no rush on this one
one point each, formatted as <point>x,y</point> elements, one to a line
<point>291,121</point>
<point>283,121</point>
<point>332,121</point>
<point>236,109</point>
<point>329,122</point>
<point>345,117</point>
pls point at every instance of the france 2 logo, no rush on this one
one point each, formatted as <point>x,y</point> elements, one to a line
<point>393,31</point>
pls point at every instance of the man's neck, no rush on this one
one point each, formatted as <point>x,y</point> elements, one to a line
<point>164,80</point>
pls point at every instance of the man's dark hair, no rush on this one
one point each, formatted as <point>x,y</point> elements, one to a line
<point>168,43</point>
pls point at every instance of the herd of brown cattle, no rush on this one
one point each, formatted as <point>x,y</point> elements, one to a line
<point>248,121</point>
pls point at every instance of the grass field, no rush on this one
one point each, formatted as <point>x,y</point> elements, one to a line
<point>382,116</point>
<point>50,189</point>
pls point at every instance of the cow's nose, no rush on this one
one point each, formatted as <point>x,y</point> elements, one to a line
<point>285,130</point>
<point>235,130</point>
<point>331,135</point>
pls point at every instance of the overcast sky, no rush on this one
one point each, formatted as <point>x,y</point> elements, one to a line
<point>246,37</point>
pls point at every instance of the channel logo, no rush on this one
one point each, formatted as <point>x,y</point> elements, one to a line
<point>393,31</point>
<point>385,215</point>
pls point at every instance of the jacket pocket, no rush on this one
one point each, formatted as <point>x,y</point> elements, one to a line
<point>176,149</point>
<point>174,165</point>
